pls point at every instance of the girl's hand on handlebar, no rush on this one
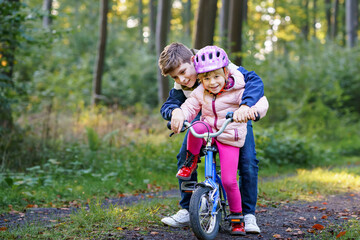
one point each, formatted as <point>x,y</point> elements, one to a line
<point>241,115</point>
<point>177,120</point>
<point>252,114</point>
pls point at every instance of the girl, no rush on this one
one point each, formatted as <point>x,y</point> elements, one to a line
<point>218,94</point>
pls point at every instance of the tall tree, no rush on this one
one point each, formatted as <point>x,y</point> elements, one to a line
<point>305,27</point>
<point>224,23</point>
<point>352,21</point>
<point>152,23</point>
<point>328,17</point>
<point>187,16</point>
<point>47,5</point>
<point>11,19</point>
<point>334,20</point>
<point>100,59</point>
<point>205,23</point>
<point>141,20</point>
<point>162,26</point>
<point>314,17</point>
<point>235,30</point>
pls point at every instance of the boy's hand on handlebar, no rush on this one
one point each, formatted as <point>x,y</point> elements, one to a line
<point>177,120</point>
<point>241,115</point>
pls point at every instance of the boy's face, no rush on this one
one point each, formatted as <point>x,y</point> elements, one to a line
<point>185,74</point>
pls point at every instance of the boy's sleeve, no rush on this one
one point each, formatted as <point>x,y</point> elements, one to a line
<point>254,88</point>
<point>175,99</point>
<point>191,107</point>
<point>262,106</point>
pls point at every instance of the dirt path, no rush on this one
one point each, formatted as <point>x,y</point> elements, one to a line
<point>283,221</point>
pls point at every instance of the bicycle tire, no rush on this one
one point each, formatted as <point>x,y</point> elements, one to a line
<point>204,225</point>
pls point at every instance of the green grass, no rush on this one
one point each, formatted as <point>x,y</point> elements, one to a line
<point>101,174</point>
<point>308,185</point>
<point>347,231</point>
<point>97,222</point>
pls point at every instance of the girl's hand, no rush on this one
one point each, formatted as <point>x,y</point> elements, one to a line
<point>241,115</point>
<point>177,120</point>
<point>252,113</point>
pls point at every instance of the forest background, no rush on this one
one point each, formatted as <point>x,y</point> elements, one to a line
<point>80,89</point>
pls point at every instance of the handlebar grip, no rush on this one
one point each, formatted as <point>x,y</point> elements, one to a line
<point>230,115</point>
<point>183,129</point>
<point>257,117</point>
<point>168,125</point>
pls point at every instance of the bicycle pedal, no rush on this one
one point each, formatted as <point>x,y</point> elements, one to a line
<point>188,186</point>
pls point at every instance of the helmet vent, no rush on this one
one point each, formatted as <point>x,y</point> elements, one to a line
<point>203,57</point>
<point>210,56</point>
<point>217,54</point>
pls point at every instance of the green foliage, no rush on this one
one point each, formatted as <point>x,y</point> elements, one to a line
<point>278,148</point>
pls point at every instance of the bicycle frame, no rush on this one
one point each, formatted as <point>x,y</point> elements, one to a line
<point>212,179</point>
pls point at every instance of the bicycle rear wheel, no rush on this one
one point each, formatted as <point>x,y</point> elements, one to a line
<point>203,223</point>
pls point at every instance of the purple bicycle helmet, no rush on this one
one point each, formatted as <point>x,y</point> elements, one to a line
<point>210,58</point>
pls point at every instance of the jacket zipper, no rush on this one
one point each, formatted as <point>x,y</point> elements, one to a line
<point>214,111</point>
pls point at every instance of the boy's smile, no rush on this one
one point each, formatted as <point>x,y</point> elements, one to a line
<point>185,74</point>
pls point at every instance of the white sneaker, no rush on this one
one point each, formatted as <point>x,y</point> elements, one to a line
<point>250,224</point>
<point>180,219</point>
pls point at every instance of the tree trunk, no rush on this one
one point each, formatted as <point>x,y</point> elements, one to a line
<point>205,23</point>
<point>351,22</point>
<point>245,11</point>
<point>99,63</point>
<point>314,17</point>
<point>162,26</point>
<point>141,20</point>
<point>334,21</point>
<point>152,23</point>
<point>224,23</point>
<point>8,43</point>
<point>47,5</point>
<point>328,17</point>
<point>235,30</point>
<point>305,27</point>
<point>187,16</point>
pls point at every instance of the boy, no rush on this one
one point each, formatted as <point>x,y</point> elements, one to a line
<point>176,61</point>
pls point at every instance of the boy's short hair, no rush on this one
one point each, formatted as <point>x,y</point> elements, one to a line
<point>173,56</point>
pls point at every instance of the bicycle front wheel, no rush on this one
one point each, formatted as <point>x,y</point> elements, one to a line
<point>204,224</point>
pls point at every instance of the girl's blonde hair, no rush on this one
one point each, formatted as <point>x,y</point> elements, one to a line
<point>220,71</point>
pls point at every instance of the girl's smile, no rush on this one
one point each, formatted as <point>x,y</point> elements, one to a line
<point>213,82</point>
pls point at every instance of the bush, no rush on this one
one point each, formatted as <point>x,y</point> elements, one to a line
<point>278,148</point>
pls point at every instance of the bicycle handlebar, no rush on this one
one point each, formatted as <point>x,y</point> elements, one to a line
<point>229,119</point>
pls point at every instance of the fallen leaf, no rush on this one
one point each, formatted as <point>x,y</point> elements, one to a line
<point>325,203</point>
<point>302,218</point>
<point>324,217</point>
<point>318,227</point>
<point>154,233</point>
<point>289,230</point>
<point>277,236</point>
<point>137,229</point>
<point>341,234</point>
<point>3,228</point>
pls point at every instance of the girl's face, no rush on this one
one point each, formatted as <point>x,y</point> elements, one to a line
<point>185,74</point>
<point>213,82</point>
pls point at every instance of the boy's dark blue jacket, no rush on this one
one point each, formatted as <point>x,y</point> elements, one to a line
<point>254,90</point>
